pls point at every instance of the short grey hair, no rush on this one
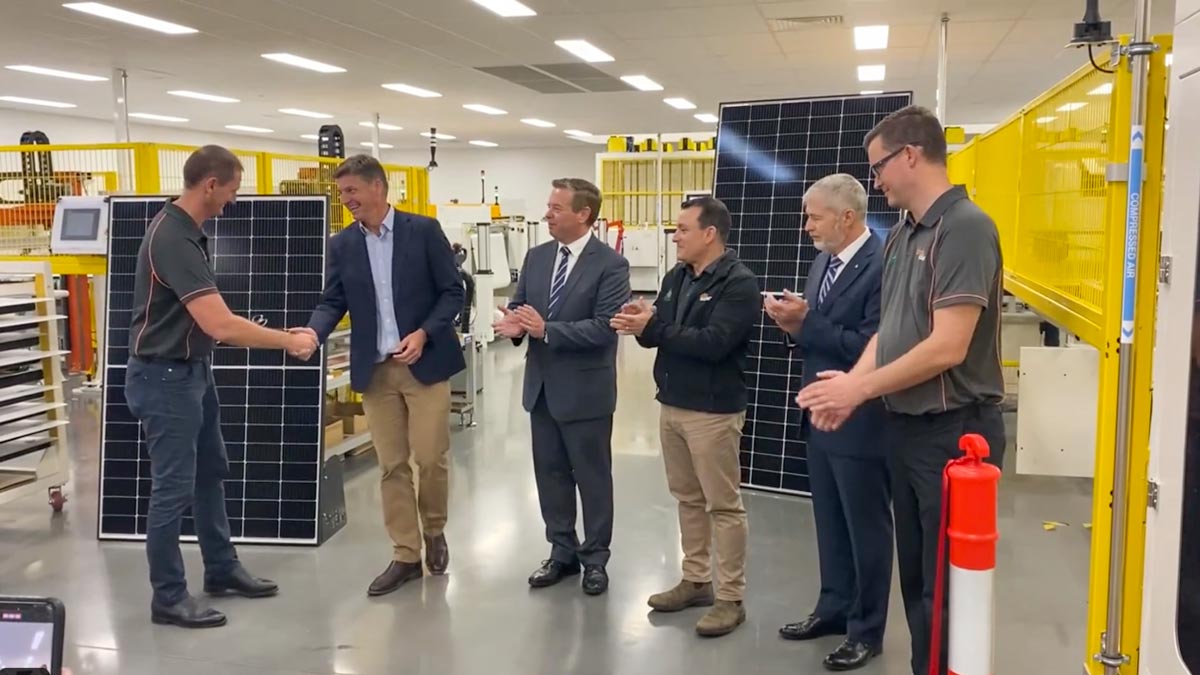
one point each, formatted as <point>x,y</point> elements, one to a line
<point>843,191</point>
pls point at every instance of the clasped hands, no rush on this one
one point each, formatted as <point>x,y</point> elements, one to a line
<point>787,312</point>
<point>523,320</point>
<point>302,342</point>
<point>632,318</point>
<point>832,399</point>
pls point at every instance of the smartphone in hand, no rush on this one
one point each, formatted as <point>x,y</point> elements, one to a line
<point>31,635</point>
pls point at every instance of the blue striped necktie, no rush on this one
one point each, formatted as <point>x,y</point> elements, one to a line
<point>560,280</point>
<point>835,263</point>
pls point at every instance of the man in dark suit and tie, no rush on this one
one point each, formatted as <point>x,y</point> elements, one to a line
<point>568,292</point>
<point>848,468</point>
<point>396,275</point>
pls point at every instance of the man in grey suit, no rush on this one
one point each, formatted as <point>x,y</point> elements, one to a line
<point>568,292</point>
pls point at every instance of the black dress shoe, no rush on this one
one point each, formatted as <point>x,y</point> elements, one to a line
<point>186,614</point>
<point>437,554</point>
<point>595,579</point>
<point>551,572</point>
<point>396,575</point>
<point>852,655</point>
<point>811,628</point>
<point>241,583</point>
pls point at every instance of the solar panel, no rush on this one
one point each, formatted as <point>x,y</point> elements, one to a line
<point>768,154</point>
<point>268,253</point>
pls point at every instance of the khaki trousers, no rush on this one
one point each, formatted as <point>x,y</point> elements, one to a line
<point>410,420</point>
<point>700,451</point>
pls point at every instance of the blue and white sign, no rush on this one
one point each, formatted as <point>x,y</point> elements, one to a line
<point>1133,215</point>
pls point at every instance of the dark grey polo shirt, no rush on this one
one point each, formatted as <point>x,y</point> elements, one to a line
<point>173,268</point>
<point>951,257</point>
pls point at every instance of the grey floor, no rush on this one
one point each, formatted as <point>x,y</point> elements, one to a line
<point>482,618</point>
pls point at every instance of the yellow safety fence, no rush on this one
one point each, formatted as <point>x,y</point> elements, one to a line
<point>1051,178</point>
<point>635,185</point>
<point>33,177</point>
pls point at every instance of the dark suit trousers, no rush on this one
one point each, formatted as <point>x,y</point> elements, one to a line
<point>567,455</point>
<point>851,499</point>
<point>921,446</point>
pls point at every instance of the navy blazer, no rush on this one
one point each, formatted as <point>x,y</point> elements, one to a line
<point>833,337</point>
<point>427,293</point>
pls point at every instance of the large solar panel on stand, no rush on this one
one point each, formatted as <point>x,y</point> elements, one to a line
<point>768,154</point>
<point>269,256</point>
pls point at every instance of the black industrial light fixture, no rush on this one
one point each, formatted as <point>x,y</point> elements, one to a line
<point>432,149</point>
<point>1092,30</point>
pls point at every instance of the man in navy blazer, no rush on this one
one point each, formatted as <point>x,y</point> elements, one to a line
<point>848,471</point>
<point>396,275</point>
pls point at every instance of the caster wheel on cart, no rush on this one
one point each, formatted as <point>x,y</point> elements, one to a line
<point>57,499</point>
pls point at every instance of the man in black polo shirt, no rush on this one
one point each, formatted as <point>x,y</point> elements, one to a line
<point>936,358</point>
<point>169,387</point>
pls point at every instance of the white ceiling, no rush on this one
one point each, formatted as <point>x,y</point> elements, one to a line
<point>1002,53</point>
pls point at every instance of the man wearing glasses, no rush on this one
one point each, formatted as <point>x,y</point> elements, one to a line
<point>935,361</point>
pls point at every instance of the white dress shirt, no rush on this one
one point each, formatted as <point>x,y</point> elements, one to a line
<point>848,253</point>
<point>576,247</point>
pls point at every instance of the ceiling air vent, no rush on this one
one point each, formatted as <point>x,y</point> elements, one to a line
<point>790,23</point>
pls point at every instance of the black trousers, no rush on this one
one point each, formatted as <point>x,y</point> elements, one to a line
<point>567,456</point>
<point>851,499</point>
<point>921,446</point>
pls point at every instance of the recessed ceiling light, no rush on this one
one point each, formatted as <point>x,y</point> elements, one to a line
<point>870,92</point>
<point>641,82</point>
<point>680,103</point>
<point>140,20</point>
<point>203,97</point>
<point>707,118</point>
<point>1069,107</point>
<point>311,137</point>
<point>414,91</point>
<point>1103,90</point>
<point>485,109</point>
<point>301,62</point>
<point>383,126</point>
<point>872,73</point>
<point>585,50</point>
<point>534,122</point>
<point>577,133</point>
<point>382,146</point>
<point>440,137</point>
<point>1045,120</point>
<point>305,113</point>
<point>485,144</point>
<point>506,8</point>
<point>253,130</point>
<point>36,101</point>
<point>870,37</point>
<point>158,118</point>
<point>51,72</point>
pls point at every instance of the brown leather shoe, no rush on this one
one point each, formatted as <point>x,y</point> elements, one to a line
<point>437,554</point>
<point>396,575</point>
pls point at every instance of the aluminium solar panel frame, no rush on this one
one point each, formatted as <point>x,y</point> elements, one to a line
<point>793,450</point>
<point>330,515</point>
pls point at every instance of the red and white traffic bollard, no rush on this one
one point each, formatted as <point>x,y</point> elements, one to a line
<point>969,491</point>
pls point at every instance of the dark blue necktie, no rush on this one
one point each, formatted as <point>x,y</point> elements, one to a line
<point>560,280</point>
<point>831,270</point>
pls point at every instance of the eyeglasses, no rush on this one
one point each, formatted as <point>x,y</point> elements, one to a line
<point>879,166</point>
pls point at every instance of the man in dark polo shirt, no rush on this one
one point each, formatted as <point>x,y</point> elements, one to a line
<point>936,358</point>
<point>177,314</point>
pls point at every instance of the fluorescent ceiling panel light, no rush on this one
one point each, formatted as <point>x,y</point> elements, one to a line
<point>311,137</point>
<point>52,72</point>
<point>870,37</point>
<point>485,109</point>
<point>585,50</point>
<point>485,144</point>
<point>140,20</point>
<point>870,92</point>
<point>411,90</point>
<point>440,137</point>
<point>872,73</point>
<point>383,126</point>
<point>534,122</point>
<point>301,62</point>
<point>382,146</point>
<point>641,82</point>
<point>213,98</point>
<point>1045,120</point>
<point>253,130</point>
<point>36,101</point>
<point>577,133</point>
<point>158,118</point>
<point>680,103</point>
<point>305,113</point>
<point>1070,107</point>
<point>506,8</point>
<point>1103,90</point>
<point>707,118</point>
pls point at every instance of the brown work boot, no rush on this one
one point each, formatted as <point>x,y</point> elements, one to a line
<point>685,594</point>
<point>721,619</point>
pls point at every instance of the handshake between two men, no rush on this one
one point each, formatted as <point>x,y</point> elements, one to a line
<point>304,343</point>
